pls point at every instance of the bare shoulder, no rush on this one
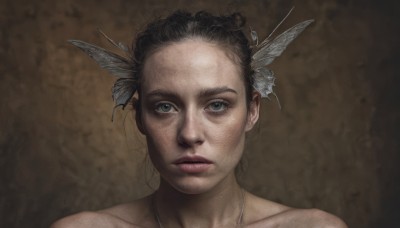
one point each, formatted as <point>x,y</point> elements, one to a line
<point>264,213</point>
<point>312,218</point>
<point>129,215</point>
<point>300,218</point>
<point>331,220</point>
<point>89,219</point>
<point>137,212</point>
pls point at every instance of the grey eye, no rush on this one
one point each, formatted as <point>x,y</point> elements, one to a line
<point>217,106</point>
<point>164,107</point>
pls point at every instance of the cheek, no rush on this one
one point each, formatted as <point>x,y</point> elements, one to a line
<point>231,147</point>
<point>159,136</point>
<point>231,134</point>
<point>157,146</point>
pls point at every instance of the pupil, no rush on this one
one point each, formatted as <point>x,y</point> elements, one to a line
<point>217,105</point>
<point>165,107</point>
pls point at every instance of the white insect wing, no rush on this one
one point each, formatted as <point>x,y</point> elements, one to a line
<point>118,66</point>
<point>266,53</point>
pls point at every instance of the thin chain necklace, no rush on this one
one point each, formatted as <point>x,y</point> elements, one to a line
<point>239,222</point>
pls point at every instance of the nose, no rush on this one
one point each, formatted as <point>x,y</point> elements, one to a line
<point>190,131</point>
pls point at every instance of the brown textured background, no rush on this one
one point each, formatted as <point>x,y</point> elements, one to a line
<point>334,144</point>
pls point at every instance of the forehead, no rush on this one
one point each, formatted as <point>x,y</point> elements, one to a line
<point>191,61</point>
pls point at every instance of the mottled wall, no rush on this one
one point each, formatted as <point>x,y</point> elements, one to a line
<point>334,144</point>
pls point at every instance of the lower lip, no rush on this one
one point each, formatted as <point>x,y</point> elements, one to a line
<point>194,167</point>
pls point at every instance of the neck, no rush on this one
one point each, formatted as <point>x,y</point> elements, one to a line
<point>219,207</point>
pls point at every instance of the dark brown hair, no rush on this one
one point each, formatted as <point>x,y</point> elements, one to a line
<point>222,30</point>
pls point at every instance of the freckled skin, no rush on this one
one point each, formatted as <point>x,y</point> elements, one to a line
<point>187,69</point>
<point>193,103</point>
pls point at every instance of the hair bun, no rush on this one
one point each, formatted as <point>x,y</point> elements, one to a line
<point>240,21</point>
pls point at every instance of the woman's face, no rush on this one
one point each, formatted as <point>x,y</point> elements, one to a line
<point>194,114</point>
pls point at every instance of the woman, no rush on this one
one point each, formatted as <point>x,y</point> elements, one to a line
<point>199,89</point>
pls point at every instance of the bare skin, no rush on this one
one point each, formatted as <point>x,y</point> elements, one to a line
<point>194,106</point>
<point>260,213</point>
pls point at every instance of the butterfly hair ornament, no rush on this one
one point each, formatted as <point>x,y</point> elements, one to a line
<point>123,67</point>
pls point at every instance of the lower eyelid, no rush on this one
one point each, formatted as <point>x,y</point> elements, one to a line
<point>225,104</point>
<point>158,105</point>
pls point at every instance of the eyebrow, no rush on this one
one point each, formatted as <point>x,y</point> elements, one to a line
<point>215,91</point>
<point>204,93</point>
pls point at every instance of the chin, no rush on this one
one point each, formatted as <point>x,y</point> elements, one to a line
<point>192,185</point>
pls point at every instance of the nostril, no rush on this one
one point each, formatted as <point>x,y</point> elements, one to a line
<point>189,133</point>
<point>183,143</point>
<point>189,141</point>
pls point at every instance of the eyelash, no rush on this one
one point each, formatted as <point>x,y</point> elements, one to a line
<point>159,105</point>
<point>172,108</point>
<point>220,102</point>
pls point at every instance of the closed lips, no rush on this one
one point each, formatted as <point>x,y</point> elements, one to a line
<point>192,160</point>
